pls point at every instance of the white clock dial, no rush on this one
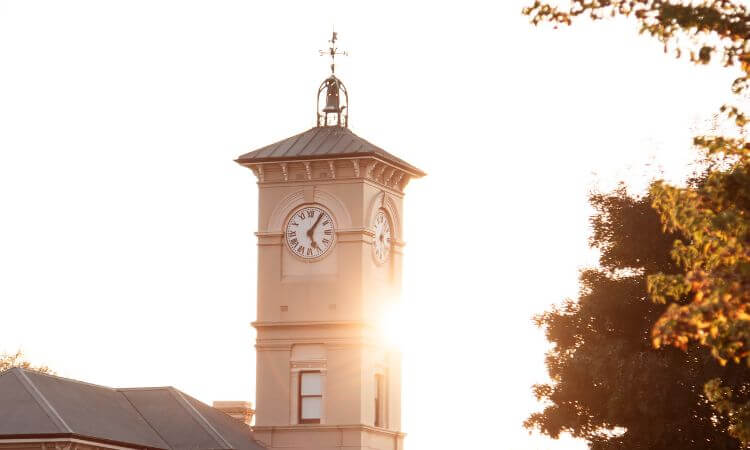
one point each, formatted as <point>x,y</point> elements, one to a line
<point>382,244</point>
<point>310,233</point>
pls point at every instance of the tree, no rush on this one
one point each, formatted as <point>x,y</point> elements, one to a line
<point>609,385</point>
<point>715,257</point>
<point>8,360</point>
<point>713,218</point>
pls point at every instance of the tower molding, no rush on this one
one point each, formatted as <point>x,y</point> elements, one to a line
<point>376,170</point>
<point>301,197</point>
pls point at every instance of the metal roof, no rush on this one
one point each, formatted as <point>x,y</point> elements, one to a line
<point>39,405</point>
<point>323,142</point>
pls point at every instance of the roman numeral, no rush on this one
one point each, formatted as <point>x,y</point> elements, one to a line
<point>301,216</point>
<point>295,224</point>
<point>326,222</point>
<point>326,241</point>
<point>293,242</point>
<point>328,232</point>
<point>291,234</point>
<point>310,213</point>
<point>301,249</point>
<point>309,252</point>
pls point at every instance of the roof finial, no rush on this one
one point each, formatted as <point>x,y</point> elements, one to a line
<point>333,51</point>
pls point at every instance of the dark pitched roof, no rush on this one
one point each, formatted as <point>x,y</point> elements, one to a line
<point>323,142</point>
<point>34,404</point>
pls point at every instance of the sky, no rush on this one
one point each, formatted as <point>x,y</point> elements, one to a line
<point>127,254</point>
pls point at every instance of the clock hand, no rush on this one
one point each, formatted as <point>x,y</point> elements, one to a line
<point>312,229</point>
<point>317,221</point>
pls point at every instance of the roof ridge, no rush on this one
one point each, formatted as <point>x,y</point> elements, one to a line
<point>40,399</point>
<point>275,145</point>
<point>138,411</point>
<point>315,134</point>
<point>376,147</point>
<point>85,383</point>
<point>198,417</point>
<point>49,375</point>
<point>339,138</point>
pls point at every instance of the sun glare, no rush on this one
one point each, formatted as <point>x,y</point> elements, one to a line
<point>393,325</point>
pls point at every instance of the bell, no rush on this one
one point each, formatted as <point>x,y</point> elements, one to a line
<point>332,98</point>
<point>332,102</point>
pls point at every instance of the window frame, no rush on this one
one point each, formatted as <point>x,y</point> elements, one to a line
<point>300,397</point>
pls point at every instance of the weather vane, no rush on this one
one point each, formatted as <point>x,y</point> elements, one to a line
<point>333,51</point>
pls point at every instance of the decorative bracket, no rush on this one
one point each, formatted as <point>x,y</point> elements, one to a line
<point>370,167</point>
<point>258,170</point>
<point>332,168</point>
<point>388,176</point>
<point>307,169</point>
<point>355,162</point>
<point>284,171</point>
<point>380,173</point>
<point>398,178</point>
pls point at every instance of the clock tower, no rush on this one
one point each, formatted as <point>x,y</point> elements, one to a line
<point>330,249</point>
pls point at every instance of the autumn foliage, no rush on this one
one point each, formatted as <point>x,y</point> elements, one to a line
<point>713,218</point>
<point>17,359</point>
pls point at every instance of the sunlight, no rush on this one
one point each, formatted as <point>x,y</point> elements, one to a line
<point>515,125</point>
<point>393,325</point>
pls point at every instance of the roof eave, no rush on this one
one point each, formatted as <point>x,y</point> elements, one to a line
<point>413,171</point>
<point>95,440</point>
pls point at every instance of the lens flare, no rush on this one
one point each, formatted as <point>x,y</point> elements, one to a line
<point>393,326</point>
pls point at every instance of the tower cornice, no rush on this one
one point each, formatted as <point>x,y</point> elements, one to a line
<point>330,170</point>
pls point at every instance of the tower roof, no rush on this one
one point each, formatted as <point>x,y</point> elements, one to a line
<point>324,143</point>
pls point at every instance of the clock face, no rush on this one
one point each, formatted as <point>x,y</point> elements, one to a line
<point>382,244</point>
<point>310,233</point>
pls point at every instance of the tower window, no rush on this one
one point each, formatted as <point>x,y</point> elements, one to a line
<point>379,401</point>
<point>310,397</point>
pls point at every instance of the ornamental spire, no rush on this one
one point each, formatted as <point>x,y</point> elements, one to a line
<point>333,51</point>
<point>334,112</point>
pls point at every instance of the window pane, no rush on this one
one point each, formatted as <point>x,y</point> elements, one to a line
<point>311,384</point>
<point>311,407</point>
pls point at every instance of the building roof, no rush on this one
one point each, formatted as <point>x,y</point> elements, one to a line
<point>39,405</point>
<point>323,142</point>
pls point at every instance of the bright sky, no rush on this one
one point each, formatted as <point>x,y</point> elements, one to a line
<point>127,255</point>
